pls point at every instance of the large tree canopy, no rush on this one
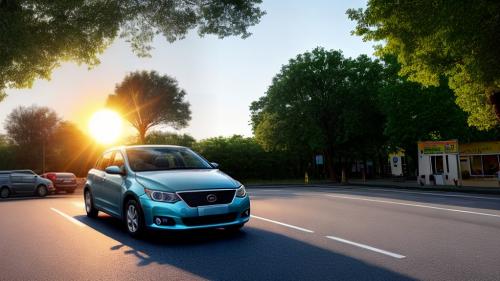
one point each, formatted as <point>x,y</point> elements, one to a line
<point>431,39</point>
<point>322,102</point>
<point>147,99</point>
<point>31,130</point>
<point>36,35</point>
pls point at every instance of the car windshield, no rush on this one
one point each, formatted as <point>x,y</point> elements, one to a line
<point>164,158</point>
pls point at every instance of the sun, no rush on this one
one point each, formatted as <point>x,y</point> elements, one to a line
<point>105,126</point>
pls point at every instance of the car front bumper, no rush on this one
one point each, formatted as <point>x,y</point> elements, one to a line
<point>185,217</point>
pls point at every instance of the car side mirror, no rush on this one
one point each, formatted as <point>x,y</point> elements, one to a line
<point>215,165</point>
<point>114,170</point>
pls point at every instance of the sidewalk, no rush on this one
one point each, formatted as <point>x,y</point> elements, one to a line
<point>470,186</point>
<point>477,186</point>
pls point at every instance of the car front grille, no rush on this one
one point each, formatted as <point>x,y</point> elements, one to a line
<point>212,219</point>
<point>210,197</point>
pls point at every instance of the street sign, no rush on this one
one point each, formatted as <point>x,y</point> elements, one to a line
<point>319,159</point>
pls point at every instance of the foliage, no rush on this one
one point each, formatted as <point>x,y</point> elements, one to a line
<point>64,146</point>
<point>322,102</point>
<point>31,130</point>
<point>7,156</point>
<point>431,39</point>
<point>147,99</point>
<point>244,158</point>
<point>36,36</point>
<point>159,137</point>
<point>71,150</point>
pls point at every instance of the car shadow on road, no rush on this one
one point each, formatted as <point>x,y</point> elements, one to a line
<point>251,254</point>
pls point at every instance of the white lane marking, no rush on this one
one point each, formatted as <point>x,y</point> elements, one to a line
<point>71,219</point>
<point>283,224</point>
<point>432,193</point>
<point>414,205</point>
<point>384,252</point>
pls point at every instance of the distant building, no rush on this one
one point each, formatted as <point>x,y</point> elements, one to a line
<point>438,161</point>
<point>479,159</point>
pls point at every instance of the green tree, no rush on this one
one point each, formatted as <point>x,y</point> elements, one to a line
<point>71,150</point>
<point>36,36</point>
<point>7,156</point>
<point>417,113</point>
<point>147,99</point>
<point>159,137</point>
<point>456,39</point>
<point>244,158</point>
<point>31,130</point>
<point>322,102</point>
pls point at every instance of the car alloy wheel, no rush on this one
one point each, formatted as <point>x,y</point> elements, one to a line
<point>92,212</point>
<point>88,202</point>
<point>4,192</point>
<point>132,219</point>
<point>42,191</point>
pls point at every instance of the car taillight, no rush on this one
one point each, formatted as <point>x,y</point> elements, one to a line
<point>52,177</point>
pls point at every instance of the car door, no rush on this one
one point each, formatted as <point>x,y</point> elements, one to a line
<point>23,182</point>
<point>113,184</point>
<point>99,176</point>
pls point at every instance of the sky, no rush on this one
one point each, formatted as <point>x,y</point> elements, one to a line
<point>221,76</point>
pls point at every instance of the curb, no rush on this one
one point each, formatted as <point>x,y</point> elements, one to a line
<point>465,189</point>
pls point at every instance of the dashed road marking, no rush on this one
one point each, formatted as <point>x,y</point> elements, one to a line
<point>68,217</point>
<point>284,224</point>
<point>413,205</point>
<point>370,248</point>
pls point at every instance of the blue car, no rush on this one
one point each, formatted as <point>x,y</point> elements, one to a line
<point>162,187</point>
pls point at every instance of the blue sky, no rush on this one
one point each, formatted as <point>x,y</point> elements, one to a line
<point>221,76</point>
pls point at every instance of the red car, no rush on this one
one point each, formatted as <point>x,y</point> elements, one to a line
<point>62,181</point>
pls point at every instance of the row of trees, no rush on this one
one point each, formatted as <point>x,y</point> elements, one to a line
<point>354,109</point>
<point>38,139</point>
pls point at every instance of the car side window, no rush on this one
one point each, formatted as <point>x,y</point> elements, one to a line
<point>118,160</point>
<point>105,161</point>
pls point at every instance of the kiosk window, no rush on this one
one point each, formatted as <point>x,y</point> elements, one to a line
<point>490,165</point>
<point>437,164</point>
<point>476,165</point>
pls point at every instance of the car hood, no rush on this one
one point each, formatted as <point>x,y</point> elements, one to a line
<point>180,180</point>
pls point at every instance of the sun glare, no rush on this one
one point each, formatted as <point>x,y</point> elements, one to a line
<point>105,126</point>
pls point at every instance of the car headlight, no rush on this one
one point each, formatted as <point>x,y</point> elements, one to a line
<point>162,196</point>
<point>241,192</point>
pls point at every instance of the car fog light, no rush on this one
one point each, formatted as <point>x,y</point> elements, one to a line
<point>158,221</point>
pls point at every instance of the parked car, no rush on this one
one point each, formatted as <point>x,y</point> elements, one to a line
<point>62,181</point>
<point>18,182</point>
<point>164,188</point>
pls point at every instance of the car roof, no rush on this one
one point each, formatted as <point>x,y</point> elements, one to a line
<point>143,146</point>
<point>61,173</point>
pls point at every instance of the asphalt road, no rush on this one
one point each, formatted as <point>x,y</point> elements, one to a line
<point>295,234</point>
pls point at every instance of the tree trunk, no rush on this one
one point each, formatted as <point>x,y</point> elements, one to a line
<point>329,163</point>
<point>142,135</point>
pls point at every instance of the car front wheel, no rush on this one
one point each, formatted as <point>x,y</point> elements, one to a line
<point>134,219</point>
<point>42,191</point>
<point>92,212</point>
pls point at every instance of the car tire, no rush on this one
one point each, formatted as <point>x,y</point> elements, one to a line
<point>234,228</point>
<point>42,191</point>
<point>4,192</point>
<point>134,219</point>
<point>90,209</point>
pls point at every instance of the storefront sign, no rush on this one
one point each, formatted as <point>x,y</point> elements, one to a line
<point>438,147</point>
<point>491,147</point>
